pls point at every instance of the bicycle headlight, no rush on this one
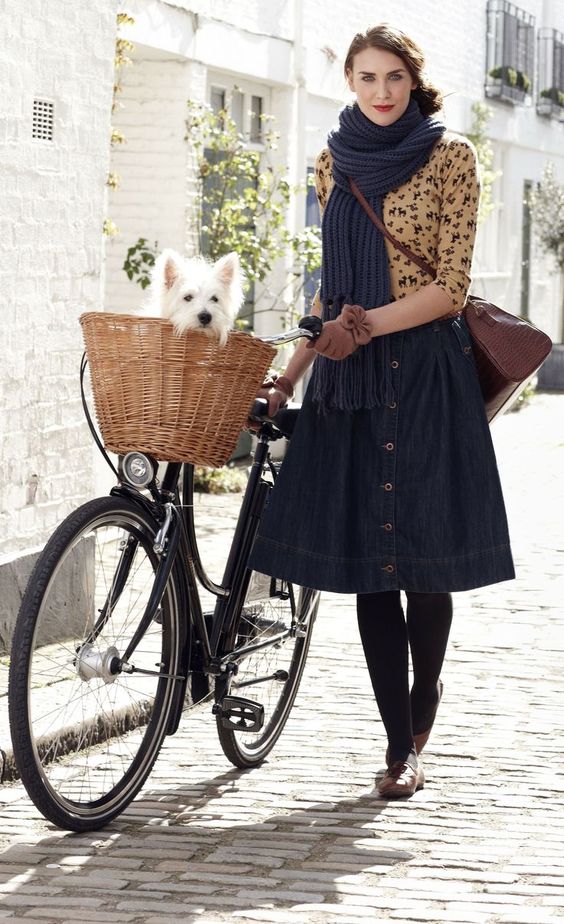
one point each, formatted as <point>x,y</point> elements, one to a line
<point>138,469</point>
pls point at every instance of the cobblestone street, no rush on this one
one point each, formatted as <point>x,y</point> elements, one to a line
<point>305,838</point>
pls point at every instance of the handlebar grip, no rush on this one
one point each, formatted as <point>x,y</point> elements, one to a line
<point>259,408</point>
<point>312,323</point>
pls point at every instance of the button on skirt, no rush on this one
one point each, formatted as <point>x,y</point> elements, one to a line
<point>405,496</point>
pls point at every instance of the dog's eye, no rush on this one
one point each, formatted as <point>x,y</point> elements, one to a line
<point>214,298</point>
<point>188,298</point>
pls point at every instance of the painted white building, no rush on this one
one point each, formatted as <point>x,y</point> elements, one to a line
<point>285,58</point>
<point>56,71</point>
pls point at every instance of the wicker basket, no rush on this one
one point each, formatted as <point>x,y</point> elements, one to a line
<point>179,399</point>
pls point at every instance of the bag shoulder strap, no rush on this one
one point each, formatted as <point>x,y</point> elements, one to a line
<point>419,261</point>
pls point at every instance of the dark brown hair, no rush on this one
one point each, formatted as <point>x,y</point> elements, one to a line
<point>388,38</point>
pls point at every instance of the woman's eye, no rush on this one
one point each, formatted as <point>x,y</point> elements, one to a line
<point>214,298</point>
<point>188,298</point>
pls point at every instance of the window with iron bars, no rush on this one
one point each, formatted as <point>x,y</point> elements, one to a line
<point>510,52</point>
<point>550,90</point>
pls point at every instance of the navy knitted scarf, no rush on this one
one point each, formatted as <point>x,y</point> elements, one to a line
<point>355,266</point>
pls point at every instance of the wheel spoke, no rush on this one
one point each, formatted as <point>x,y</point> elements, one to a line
<point>87,738</point>
<point>269,675</point>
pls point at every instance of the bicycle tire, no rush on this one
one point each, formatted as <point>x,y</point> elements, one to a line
<point>271,610</point>
<point>84,745</point>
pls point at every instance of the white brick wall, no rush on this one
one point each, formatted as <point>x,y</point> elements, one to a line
<point>156,192</point>
<point>50,264</point>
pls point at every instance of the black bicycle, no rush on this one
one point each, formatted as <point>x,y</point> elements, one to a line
<point>111,641</point>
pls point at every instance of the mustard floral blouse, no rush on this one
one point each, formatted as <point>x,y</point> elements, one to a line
<point>434,214</point>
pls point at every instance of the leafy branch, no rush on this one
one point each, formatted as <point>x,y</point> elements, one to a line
<point>139,261</point>
<point>482,114</point>
<point>123,48</point>
<point>242,204</point>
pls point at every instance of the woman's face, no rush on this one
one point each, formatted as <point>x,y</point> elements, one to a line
<point>382,84</point>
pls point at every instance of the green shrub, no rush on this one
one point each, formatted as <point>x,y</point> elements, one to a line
<point>219,480</point>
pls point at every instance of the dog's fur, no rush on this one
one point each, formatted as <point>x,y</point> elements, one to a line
<point>196,294</point>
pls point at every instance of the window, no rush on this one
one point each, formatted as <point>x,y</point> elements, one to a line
<point>550,90</point>
<point>311,280</point>
<point>238,109</point>
<point>510,52</point>
<point>245,102</point>
<point>217,99</point>
<point>256,119</point>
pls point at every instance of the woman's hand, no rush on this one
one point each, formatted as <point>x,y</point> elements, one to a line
<point>278,390</point>
<point>341,337</point>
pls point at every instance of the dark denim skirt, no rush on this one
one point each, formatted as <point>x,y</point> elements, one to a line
<point>405,496</point>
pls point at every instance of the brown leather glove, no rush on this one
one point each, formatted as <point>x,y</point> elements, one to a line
<point>278,390</point>
<point>341,337</point>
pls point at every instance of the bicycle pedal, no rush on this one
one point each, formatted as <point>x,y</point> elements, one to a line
<point>240,714</point>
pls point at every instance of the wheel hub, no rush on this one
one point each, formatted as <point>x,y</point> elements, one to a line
<point>92,663</point>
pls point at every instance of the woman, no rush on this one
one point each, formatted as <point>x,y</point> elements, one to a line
<point>390,482</point>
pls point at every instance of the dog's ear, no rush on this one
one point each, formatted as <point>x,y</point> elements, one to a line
<point>170,274</point>
<point>228,268</point>
<point>167,267</point>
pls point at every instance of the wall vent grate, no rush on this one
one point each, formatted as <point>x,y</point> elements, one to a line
<point>43,120</point>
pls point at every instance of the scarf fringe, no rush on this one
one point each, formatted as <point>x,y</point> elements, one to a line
<point>363,380</point>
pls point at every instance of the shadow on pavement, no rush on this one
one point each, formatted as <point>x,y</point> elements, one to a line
<point>175,851</point>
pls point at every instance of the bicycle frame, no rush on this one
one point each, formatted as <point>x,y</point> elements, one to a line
<point>173,506</point>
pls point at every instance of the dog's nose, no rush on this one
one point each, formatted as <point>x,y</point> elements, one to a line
<point>204,318</point>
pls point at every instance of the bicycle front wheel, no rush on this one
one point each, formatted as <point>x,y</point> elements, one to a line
<point>270,676</point>
<point>85,738</point>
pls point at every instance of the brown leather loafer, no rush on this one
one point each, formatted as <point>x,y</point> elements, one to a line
<point>422,738</point>
<point>401,780</point>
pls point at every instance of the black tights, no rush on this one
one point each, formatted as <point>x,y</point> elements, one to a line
<point>385,635</point>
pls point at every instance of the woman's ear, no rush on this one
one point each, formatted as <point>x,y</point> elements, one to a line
<point>349,76</point>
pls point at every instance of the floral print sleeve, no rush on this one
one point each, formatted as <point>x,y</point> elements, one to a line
<point>323,178</point>
<point>323,186</point>
<point>434,214</point>
<point>458,218</point>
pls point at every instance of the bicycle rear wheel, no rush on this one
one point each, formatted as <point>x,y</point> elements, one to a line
<point>85,738</point>
<point>270,676</point>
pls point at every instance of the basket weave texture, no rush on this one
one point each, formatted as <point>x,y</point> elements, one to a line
<point>179,399</point>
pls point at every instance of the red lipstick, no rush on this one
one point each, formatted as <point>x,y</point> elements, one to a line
<point>383,108</point>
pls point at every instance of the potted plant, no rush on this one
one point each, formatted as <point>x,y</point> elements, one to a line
<point>548,99</point>
<point>495,82</point>
<point>523,81</point>
<point>544,105</point>
<point>504,83</point>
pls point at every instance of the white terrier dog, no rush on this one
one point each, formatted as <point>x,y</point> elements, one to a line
<point>196,294</point>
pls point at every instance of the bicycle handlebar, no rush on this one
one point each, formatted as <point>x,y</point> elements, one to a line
<point>309,327</point>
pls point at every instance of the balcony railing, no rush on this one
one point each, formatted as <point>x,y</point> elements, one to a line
<point>510,52</point>
<point>550,93</point>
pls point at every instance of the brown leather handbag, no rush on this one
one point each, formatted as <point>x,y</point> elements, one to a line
<point>508,350</point>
